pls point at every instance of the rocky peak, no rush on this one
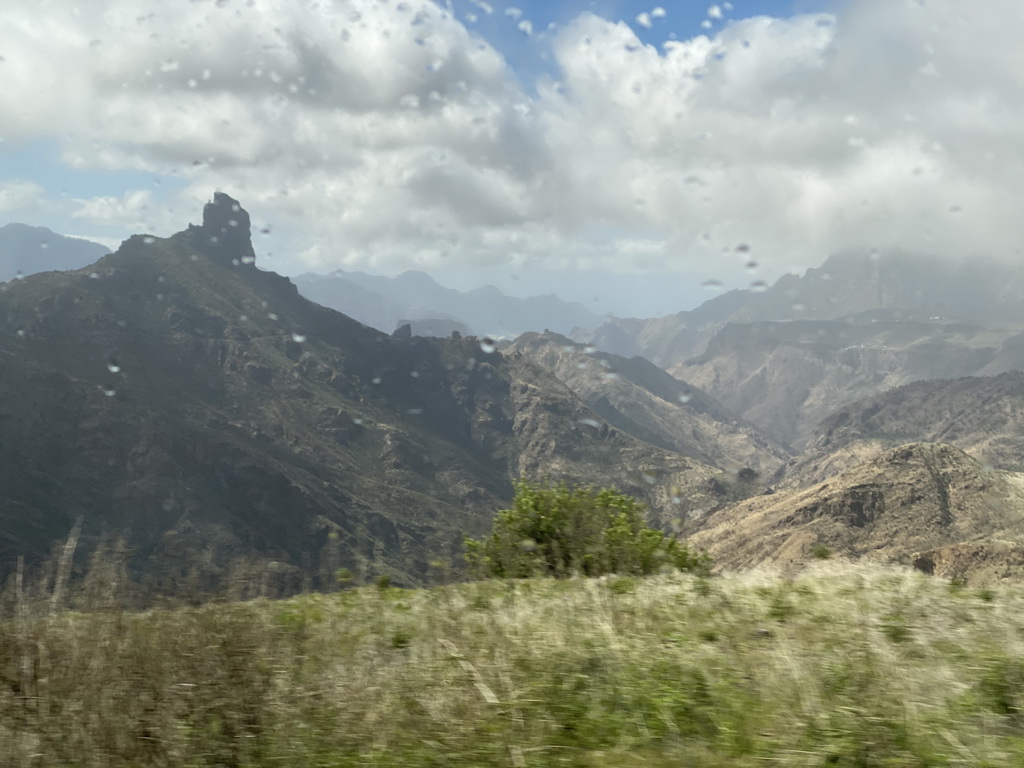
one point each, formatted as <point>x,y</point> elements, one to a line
<point>226,232</point>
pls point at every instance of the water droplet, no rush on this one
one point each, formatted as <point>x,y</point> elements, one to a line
<point>44,245</point>
<point>248,259</point>
<point>18,275</point>
<point>265,231</point>
<point>243,318</point>
<point>414,411</point>
<point>610,376</point>
<point>113,367</point>
<point>589,349</point>
<point>298,338</point>
<point>415,374</point>
<point>109,391</point>
<point>713,285</point>
<point>94,275</point>
<point>743,248</point>
<point>149,239</point>
<point>272,316</point>
<point>21,333</point>
<point>684,399</point>
<point>487,345</point>
<point>591,423</point>
<point>648,478</point>
<point>375,380</point>
<point>751,265</point>
<point>759,286</point>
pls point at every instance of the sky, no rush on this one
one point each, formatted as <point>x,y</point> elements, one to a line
<point>633,156</point>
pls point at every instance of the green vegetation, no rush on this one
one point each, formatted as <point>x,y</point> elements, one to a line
<point>843,665</point>
<point>562,531</point>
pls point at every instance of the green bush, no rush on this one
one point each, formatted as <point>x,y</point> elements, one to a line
<point>561,531</point>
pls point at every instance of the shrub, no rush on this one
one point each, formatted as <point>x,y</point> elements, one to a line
<point>561,531</point>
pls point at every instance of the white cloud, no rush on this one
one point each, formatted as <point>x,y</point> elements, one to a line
<point>392,137</point>
<point>131,210</point>
<point>20,195</point>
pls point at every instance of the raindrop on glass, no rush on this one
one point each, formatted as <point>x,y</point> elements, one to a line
<point>487,345</point>
<point>298,338</point>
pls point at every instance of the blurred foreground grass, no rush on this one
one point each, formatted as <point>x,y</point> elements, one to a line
<point>846,665</point>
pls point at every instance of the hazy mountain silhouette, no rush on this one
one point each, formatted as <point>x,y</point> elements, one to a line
<point>382,302</point>
<point>26,250</point>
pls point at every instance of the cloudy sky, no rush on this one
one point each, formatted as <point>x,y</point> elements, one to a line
<point>616,152</point>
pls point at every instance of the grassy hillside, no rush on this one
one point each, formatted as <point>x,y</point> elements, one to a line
<point>842,665</point>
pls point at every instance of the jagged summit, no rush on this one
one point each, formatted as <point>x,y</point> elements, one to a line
<point>226,232</point>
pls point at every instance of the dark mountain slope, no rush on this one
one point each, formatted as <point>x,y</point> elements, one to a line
<point>176,394</point>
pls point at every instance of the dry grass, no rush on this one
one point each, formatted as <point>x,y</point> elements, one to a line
<point>842,665</point>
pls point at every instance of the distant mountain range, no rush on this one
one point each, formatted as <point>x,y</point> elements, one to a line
<point>241,437</point>
<point>237,433</point>
<point>25,250</point>
<point>860,287</point>
<point>385,302</point>
<point>381,302</point>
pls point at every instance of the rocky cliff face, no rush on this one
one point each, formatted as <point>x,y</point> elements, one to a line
<point>229,429</point>
<point>640,399</point>
<point>983,416</point>
<point>786,377</point>
<point>904,503</point>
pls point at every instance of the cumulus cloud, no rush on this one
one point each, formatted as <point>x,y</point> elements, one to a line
<point>388,134</point>
<point>130,210</point>
<point>20,195</point>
